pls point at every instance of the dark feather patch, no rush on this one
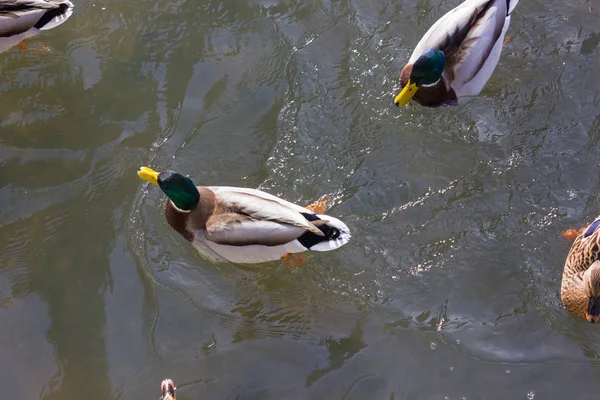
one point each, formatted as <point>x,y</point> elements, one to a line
<point>592,228</point>
<point>455,40</point>
<point>594,306</point>
<point>497,32</point>
<point>309,239</point>
<point>508,3</point>
<point>50,15</point>
<point>310,217</point>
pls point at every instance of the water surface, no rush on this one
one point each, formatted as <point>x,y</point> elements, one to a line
<point>450,286</point>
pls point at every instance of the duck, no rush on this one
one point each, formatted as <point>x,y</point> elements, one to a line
<point>580,286</point>
<point>457,55</point>
<point>21,19</point>
<point>168,390</point>
<point>242,225</point>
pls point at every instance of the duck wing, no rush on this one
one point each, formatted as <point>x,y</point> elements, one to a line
<point>250,216</point>
<point>466,35</point>
<point>18,16</point>
<point>585,249</point>
<point>25,5</point>
<point>239,230</point>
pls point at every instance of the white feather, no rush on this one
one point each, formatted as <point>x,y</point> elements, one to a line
<point>263,206</point>
<point>20,22</point>
<point>258,253</point>
<point>258,193</point>
<point>476,84</point>
<point>243,254</point>
<point>58,20</point>
<point>252,231</point>
<point>479,42</point>
<point>333,244</point>
<point>456,18</point>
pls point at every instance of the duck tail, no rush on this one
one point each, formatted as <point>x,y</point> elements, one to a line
<point>336,233</point>
<point>55,16</point>
<point>510,6</point>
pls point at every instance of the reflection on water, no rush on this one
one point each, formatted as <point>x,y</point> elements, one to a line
<point>456,213</point>
<point>340,351</point>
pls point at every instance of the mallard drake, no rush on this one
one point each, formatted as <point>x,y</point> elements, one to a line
<point>580,288</point>
<point>457,55</point>
<point>20,19</point>
<point>243,225</point>
<point>168,390</point>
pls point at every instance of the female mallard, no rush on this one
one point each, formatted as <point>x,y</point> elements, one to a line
<point>243,225</point>
<point>457,55</point>
<point>20,19</point>
<point>580,288</point>
<point>167,389</point>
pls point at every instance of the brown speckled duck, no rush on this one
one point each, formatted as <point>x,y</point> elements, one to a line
<point>457,55</point>
<point>167,388</point>
<point>243,225</point>
<point>580,288</point>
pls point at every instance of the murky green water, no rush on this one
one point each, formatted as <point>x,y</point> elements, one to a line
<point>450,285</point>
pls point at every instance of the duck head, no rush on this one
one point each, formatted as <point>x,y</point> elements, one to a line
<point>167,388</point>
<point>180,189</point>
<point>591,282</point>
<point>427,70</point>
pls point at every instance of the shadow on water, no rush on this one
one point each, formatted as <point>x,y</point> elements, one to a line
<point>340,351</point>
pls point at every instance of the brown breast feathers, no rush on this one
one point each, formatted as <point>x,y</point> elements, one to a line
<point>186,222</point>
<point>430,96</point>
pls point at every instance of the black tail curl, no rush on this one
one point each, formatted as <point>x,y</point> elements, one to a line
<point>309,239</point>
<point>50,15</point>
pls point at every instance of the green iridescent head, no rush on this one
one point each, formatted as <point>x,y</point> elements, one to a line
<point>181,190</point>
<point>427,70</point>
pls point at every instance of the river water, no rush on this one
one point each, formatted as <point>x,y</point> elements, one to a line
<point>449,287</point>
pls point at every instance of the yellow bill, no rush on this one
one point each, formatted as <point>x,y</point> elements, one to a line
<point>406,94</point>
<point>149,175</point>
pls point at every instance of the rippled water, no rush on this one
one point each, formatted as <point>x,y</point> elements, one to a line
<point>449,288</point>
